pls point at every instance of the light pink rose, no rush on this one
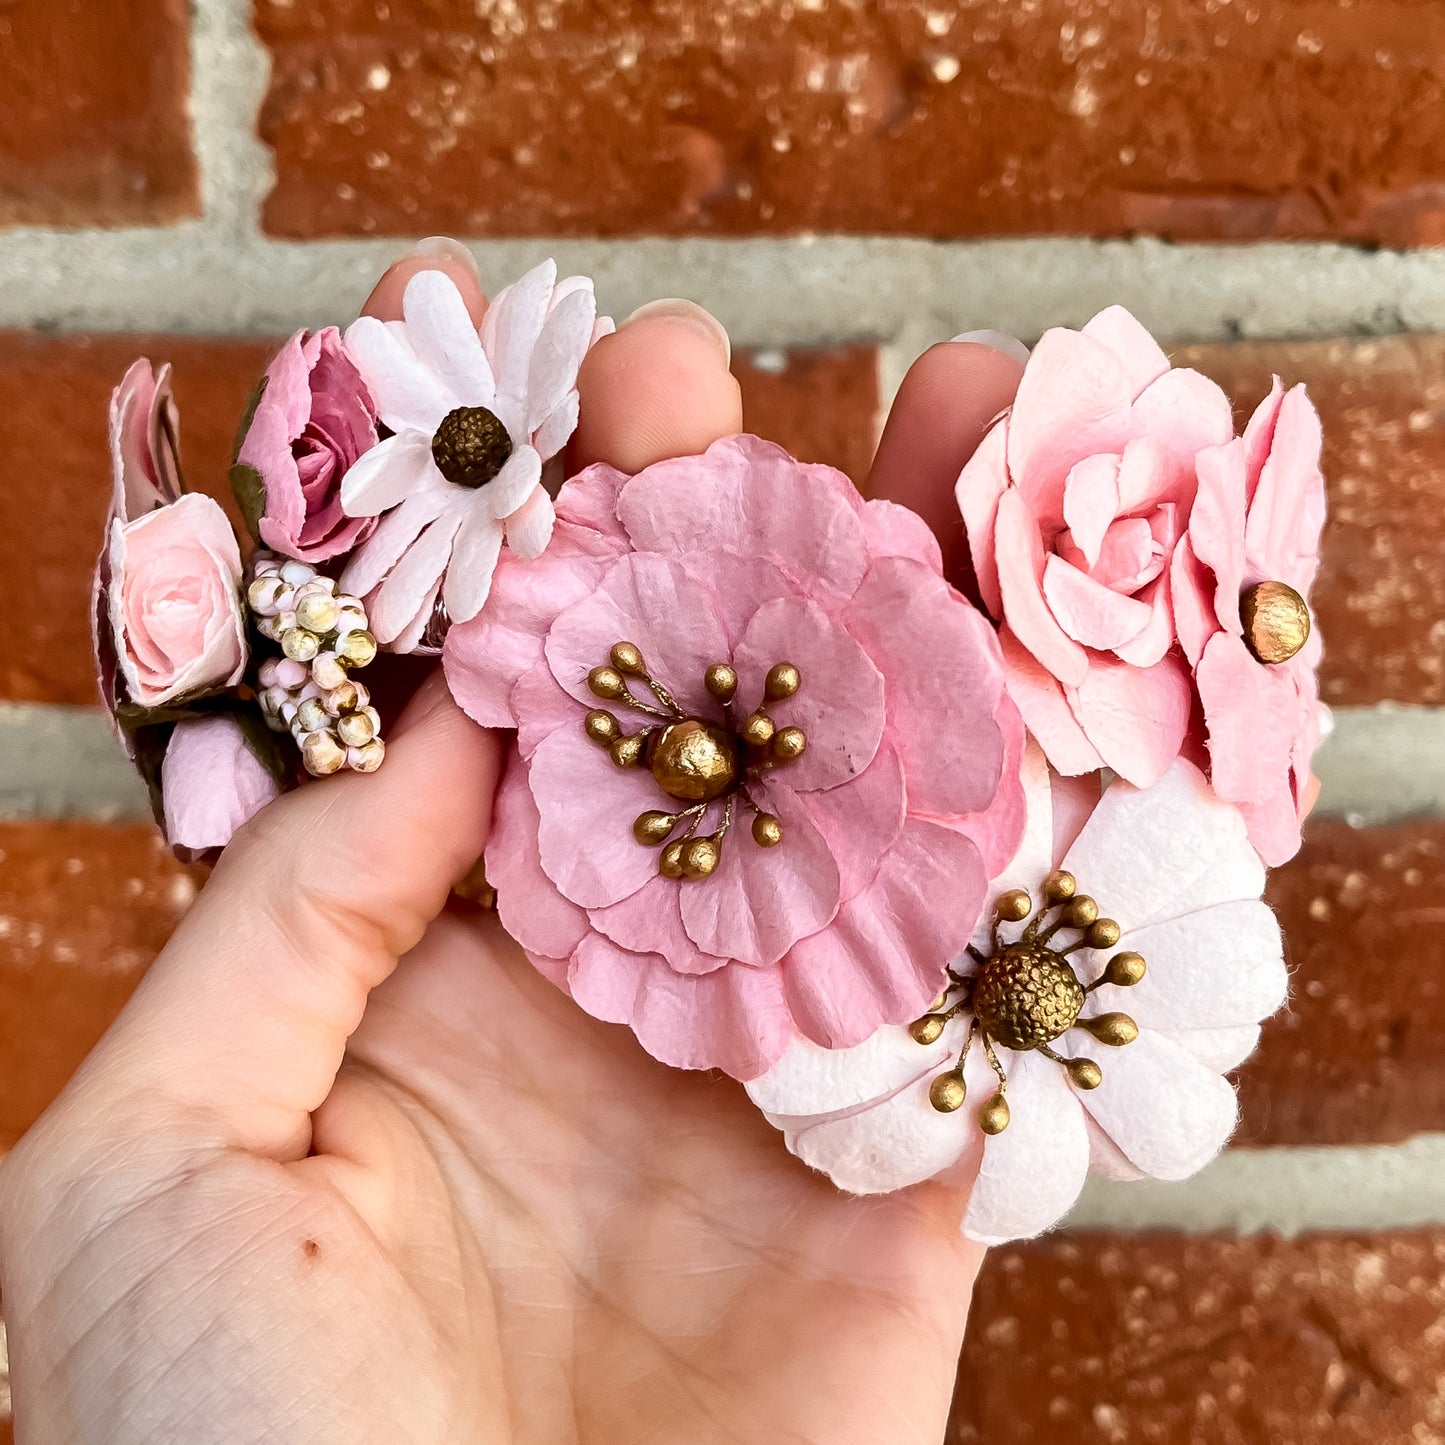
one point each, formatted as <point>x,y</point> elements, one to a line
<point>1073,505</point>
<point>313,420</point>
<point>175,602</point>
<point>1258,518</point>
<point>907,795</point>
<point>212,782</point>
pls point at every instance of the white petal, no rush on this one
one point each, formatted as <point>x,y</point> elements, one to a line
<point>474,560</point>
<point>512,325</point>
<point>566,335</point>
<point>1218,1049</point>
<point>384,548</point>
<point>385,476</point>
<point>512,485</point>
<point>408,397</point>
<point>1031,1173</point>
<point>557,427</point>
<point>409,638</point>
<point>529,528</point>
<point>445,340</point>
<point>400,597</point>
<point>811,1080</point>
<point>1216,968</point>
<point>1158,852</point>
<point>1106,1159</point>
<point>1168,1113</point>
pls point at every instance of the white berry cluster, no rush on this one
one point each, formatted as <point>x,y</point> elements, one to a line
<point>307,691</point>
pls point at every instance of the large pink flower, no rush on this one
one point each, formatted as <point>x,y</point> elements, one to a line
<point>1074,504</point>
<point>903,799</point>
<point>1241,582</point>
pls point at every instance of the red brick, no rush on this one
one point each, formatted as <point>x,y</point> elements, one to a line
<point>53,394</point>
<point>83,910</point>
<point>1108,1340</point>
<point>1381,591</point>
<point>1313,118</point>
<point>94,116</point>
<point>820,404</point>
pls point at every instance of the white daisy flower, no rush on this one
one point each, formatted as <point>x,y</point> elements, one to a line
<point>474,416</point>
<point>1122,972</point>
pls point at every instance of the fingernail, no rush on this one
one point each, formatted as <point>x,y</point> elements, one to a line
<point>689,313</point>
<point>444,248</point>
<point>999,341</point>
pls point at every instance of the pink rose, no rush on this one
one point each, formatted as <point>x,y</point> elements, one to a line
<point>1073,505</point>
<point>1241,583</point>
<point>314,417</point>
<point>811,740</point>
<point>212,781</point>
<point>175,602</point>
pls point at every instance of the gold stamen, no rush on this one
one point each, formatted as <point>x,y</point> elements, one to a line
<point>626,658</point>
<point>1081,912</point>
<point>993,1118</point>
<point>767,831</point>
<point>789,744</point>
<point>670,865</point>
<point>1014,906</point>
<point>947,1093</point>
<point>654,828</point>
<point>721,681</point>
<point>1125,969</point>
<point>607,682</point>
<point>1085,1073</point>
<point>758,730</point>
<point>1113,1029</point>
<point>601,726</point>
<point>627,752</point>
<point>700,857</point>
<point>1059,886</point>
<point>1276,621</point>
<point>928,1029</point>
<point>783,681</point>
<point>1102,933</point>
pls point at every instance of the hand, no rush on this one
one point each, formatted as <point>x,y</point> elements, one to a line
<point>299,1194</point>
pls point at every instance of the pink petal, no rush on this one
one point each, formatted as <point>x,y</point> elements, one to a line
<point>1157,637</point>
<point>1192,596</point>
<point>733,1019</point>
<point>812,532</point>
<point>1251,711</point>
<point>650,921</point>
<point>1046,712</point>
<point>1142,357</point>
<point>939,658</point>
<point>211,783</point>
<point>529,528</point>
<point>883,959</point>
<point>1089,612</point>
<point>1274,826</point>
<point>861,820</point>
<point>445,339</point>
<point>1129,556</point>
<point>1182,413</point>
<point>1216,527</point>
<point>539,707</point>
<point>996,830</point>
<point>894,531</point>
<point>1020,556</point>
<point>1287,509</point>
<point>387,475</point>
<point>1167,1113</point>
<point>473,562</point>
<point>839,705</point>
<point>1259,434</point>
<point>566,334</point>
<point>982,482</point>
<point>1137,717</point>
<point>144,426</point>
<point>408,397</point>
<point>1091,502</point>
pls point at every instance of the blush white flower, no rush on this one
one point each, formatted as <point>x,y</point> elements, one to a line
<point>474,416</point>
<point>1173,867</point>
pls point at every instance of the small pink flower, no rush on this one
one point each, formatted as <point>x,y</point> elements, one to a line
<point>1255,531</point>
<point>1074,504</point>
<point>314,417</point>
<point>212,781</point>
<point>893,777</point>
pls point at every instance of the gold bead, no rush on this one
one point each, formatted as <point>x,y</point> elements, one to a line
<point>328,672</point>
<point>1115,1030</point>
<point>627,658</point>
<point>1102,933</point>
<point>670,864</point>
<point>937,1006</point>
<point>355,729</point>
<point>1059,886</point>
<point>347,696</point>
<point>368,757</point>
<point>927,1030</point>
<point>601,726</point>
<point>317,612</point>
<point>653,828</point>
<point>947,1093</point>
<point>322,754</point>
<point>1125,969</point>
<point>311,715</point>
<point>721,681</point>
<point>694,761</point>
<point>1276,621</point>
<point>767,831</point>
<point>701,857</point>
<point>627,752</point>
<point>606,682</point>
<point>758,730</point>
<point>300,645</point>
<point>783,681</point>
<point>1081,912</point>
<point>1013,906</point>
<point>789,744</point>
<point>1085,1073</point>
<point>994,1116</point>
<point>357,648</point>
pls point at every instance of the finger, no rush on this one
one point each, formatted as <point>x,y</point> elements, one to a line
<point>243,1019</point>
<point>436,253</point>
<point>948,400</point>
<point>658,388</point>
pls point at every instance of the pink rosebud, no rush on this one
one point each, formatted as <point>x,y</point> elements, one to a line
<point>212,782</point>
<point>174,602</point>
<point>313,419</point>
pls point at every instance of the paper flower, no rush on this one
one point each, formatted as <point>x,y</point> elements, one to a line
<point>313,418</point>
<point>1241,582</point>
<point>474,417</point>
<point>1029,1073</point>
<point>1073,506</point>
<point>764,758</point>
<point>212,781</point>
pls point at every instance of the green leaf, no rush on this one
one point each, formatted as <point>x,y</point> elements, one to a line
<point>250,493</point>
<point>248,416</point>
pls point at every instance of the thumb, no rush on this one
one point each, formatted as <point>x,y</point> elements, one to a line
<point>241,1023</point>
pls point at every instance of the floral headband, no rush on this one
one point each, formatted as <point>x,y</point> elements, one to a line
<point>959,886</point>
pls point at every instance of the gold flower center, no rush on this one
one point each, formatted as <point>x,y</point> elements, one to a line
<point>1276,621</point>
<point>471,446</point>
<point>1026,996</point>
<point>693,761</point>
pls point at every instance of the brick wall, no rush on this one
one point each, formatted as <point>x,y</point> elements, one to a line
<point>842,184</point>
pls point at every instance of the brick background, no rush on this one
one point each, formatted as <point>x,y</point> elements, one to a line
<point>1106,1340</point>
<point>94,125</point>
<point>1190,119</point>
